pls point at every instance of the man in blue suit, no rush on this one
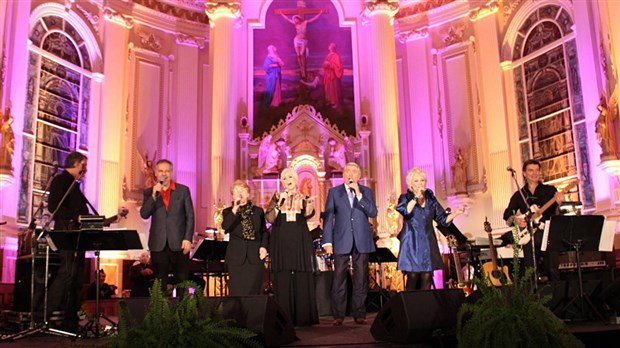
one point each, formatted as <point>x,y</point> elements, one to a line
<point>347,233</point>
<point>169,205</point>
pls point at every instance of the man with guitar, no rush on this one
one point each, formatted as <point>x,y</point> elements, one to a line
<point>67,285</point>
<point>524,205</point>
<point>66,289</point>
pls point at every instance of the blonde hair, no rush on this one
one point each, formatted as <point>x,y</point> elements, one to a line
<point>239,183</point>
<point>287,171</point>
<point>413,172</point>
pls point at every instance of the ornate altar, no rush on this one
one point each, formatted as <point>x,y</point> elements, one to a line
<point>305,141</point>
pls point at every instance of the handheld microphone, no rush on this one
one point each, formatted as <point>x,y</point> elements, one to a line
<point>282,199</point>
<point>238,202</point>
<point>161,182</point>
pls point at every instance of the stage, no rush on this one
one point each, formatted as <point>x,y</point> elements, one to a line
<point>593,334</point>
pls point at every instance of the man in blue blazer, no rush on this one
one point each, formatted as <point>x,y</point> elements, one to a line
<point>348,233</point>
<point>169,205</point>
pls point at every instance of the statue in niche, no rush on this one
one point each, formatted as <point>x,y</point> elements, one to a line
<point>218,218</point>
<point>349,150</point>
<point>392,216</point>
<point>337,155</point>
<point>148,169</point>
<point>459,173</point>
<point>269,155</point>
<point>305,188</point>
<point>8,143</point>
<point>605,132</point>
<point>283,153</point>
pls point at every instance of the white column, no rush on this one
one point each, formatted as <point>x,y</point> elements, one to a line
<point>419,114</point>
<point>14,21</point>
<point>111,115</point>
<point>596,47</point>
<point>186,115</point>
<point>384,102</point>
<point>222,17</point>
<point>492,107</point>
<point>609,11</point>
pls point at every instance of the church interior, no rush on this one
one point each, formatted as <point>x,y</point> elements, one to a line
<point>466,90</point>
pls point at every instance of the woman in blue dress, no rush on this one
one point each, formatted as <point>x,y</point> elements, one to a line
<point>419,253</point>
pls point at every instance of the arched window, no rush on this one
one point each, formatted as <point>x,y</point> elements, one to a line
<point>549,98</point>
<point>56,113</point>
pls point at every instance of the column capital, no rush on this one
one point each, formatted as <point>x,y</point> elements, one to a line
<point>116,17</point>
<point>489,8</point>
<point>188,40</point>
<point>412,35</point>
<point>215,10</point>
<point>389,7</point>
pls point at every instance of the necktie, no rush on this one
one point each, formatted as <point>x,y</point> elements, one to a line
<point>351,196</point>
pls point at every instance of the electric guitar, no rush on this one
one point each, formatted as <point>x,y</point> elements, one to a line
<point>491,271</point>
<point>122,213</point>
<point>462,284</point>
<point>536,213</point>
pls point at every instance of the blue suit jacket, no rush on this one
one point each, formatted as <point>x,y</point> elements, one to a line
<point>343,225</point>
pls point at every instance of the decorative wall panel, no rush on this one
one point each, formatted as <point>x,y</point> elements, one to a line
<point>148,118</point>
<point>459,91</point>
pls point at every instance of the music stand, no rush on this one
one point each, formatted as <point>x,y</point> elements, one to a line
<point>581,233</point>
<point>453,230</point>
<point>95,240</point>
<point>211,250</point>
<point>380,256</point>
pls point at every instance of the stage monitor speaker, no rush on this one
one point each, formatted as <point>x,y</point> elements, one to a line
<point>260,314</point>
<point>23,275</point>
<point>413,316</point>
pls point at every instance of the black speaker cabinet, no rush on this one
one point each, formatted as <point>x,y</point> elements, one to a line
<point>413,316</point>
<point>260,314</point>
<point>23,273</point>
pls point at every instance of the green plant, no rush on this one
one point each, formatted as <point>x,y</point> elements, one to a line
<point>192,322</point>
<point>512,316</point>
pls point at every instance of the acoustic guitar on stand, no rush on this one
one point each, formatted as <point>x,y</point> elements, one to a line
<point>536,213</point>
<point>462,284</point>
<point>492,272</point>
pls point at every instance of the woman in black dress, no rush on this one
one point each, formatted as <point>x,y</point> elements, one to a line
<point>291,251</point>
<point>247,248</point>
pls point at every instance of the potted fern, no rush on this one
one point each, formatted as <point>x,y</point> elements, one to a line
<point>512,316</point>
<point>191,322</point>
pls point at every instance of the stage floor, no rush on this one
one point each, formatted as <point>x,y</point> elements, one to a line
<point>593,334</point>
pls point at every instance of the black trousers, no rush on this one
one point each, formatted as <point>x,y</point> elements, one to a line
<point>165,261</point>
<point>65,293</point>
<point>359,261</point>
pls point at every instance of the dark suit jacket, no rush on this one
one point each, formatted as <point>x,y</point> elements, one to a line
<point>343,225</point>
<point>238,248</point>
<point>171,226</point>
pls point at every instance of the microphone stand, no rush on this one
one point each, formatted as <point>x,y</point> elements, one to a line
<point>43,327</point>
<point>530,228</point>
<point>43,233</point>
